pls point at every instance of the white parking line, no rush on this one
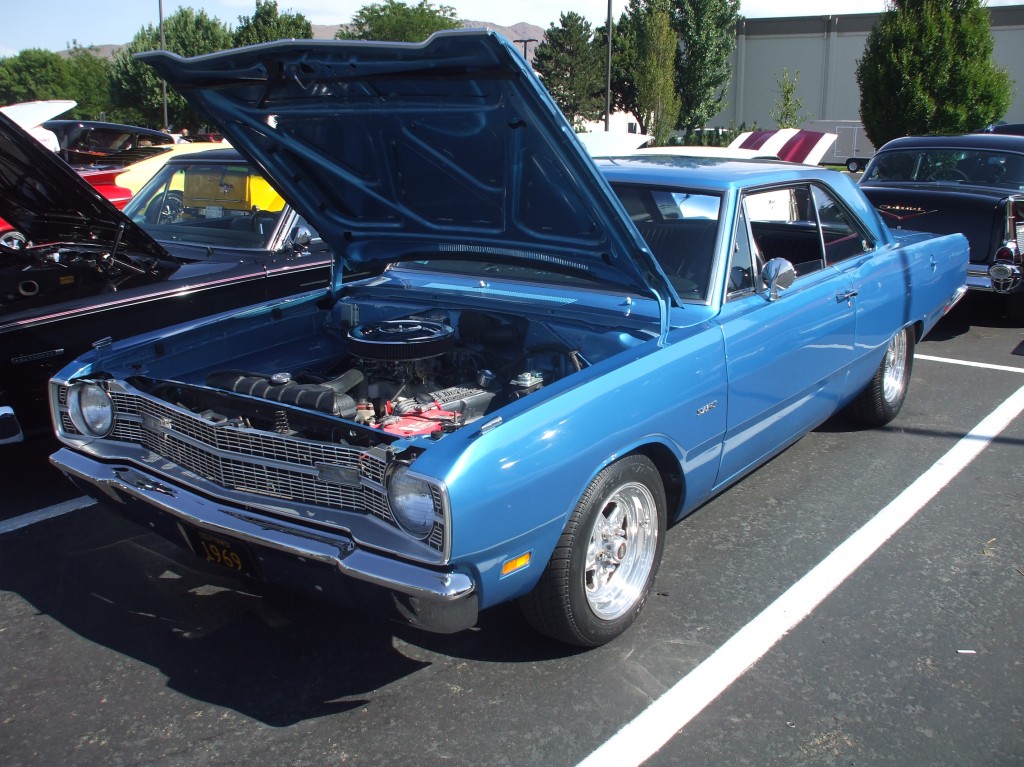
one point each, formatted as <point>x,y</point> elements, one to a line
<point>656,725</point>
<point>985,365</point>
<point>16,523</point>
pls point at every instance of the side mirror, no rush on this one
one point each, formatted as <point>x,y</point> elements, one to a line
<point>778,274</point>
<point>301,237</point>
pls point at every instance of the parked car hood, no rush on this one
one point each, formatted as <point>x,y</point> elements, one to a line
<point>398,151</point>
<point>48,201</point>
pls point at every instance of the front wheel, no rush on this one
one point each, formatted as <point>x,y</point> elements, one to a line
<point>882,398</point>
<point>603,568</point>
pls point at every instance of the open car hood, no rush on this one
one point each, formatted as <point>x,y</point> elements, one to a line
<point>46,200</point>
<point>398,151</point>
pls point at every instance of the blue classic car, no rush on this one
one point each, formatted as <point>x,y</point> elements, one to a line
<point>544,362</point>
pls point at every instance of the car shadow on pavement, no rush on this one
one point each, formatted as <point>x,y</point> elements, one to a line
<point>271,656</point>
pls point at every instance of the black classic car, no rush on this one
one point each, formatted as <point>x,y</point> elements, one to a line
<point>90,142</point>
<point>972,184</point>
<point>205,235</point>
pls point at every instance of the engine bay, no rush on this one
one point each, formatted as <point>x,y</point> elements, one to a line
<point>419,374</point>
<point>43,273</point>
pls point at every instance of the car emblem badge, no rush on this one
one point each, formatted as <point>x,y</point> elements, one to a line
<point>902,212</point>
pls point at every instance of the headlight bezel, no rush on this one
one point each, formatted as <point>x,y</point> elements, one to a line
<point>409,498</point>
<point>91,409</point>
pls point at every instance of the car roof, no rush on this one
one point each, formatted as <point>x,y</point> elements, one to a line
<point>99,124</point>
<point>209,155</point>
<point>998,141</point>
<point>706,172</point>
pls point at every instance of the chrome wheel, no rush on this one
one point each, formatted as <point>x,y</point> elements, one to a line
<point>621,551</point>
<point>894,370</point>
<point>880,401</point>
<point>601,572</point>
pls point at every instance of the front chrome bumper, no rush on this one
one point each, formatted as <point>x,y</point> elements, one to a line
<point>323,564</point>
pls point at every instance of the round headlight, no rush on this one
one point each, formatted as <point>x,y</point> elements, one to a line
<point>91,410</point>
<point>411,501</point>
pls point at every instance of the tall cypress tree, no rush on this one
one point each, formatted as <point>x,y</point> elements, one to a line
<point>707,38</point>
<point>927,68</point>
<point>657,98</point>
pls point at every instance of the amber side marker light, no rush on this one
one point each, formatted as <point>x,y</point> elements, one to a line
<point>517,563</point>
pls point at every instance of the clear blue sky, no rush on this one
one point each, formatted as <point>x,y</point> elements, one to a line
<point>52,24</point>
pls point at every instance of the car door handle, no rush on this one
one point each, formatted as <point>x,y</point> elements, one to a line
<point>846,295</point>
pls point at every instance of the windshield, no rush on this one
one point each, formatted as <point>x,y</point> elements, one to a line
<point>966,166</point>
<point>208,204</point>
<point>680,227</point>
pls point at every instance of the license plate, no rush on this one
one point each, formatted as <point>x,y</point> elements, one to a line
<point>225,552</point>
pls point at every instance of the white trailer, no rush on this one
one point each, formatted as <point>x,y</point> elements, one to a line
<point>852,147</point>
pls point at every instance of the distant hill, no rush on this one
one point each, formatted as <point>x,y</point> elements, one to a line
<point>520,31</point>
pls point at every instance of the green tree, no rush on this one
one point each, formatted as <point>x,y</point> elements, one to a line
<point>707,38</point>
<point>89,76</point>
<point>927,68</point>
<point>394,20</point>
<point>572,68</point>
<point>786,112</point>
<point>267,25</point>
<point>34,74</point>
<point>657,99</point>
<point>137,89</point>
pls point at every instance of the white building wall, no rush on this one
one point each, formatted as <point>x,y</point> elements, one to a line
<point>825,51</point>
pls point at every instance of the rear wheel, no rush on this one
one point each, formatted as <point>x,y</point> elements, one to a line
<point>603,568</point>
<point>882,398</point>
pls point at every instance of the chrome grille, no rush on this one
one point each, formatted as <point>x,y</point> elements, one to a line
<point>261,463</point>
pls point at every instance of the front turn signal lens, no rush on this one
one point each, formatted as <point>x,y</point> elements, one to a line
<point>518,563</point>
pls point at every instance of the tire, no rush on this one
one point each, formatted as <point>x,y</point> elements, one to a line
<point>853,166</point>
<point>603,568</point>
<point>882,398</point>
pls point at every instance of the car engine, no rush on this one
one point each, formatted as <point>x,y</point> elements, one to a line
<point>44,273</point>
<point>415,375</point>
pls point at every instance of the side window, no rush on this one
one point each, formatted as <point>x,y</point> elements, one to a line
<point>784,224</point>
<point>743,267</point>
<point>842,240</point>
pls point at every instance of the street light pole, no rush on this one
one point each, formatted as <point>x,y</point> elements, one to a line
<point>608,74</point>
<point>163,83</point>
<point>525,43</point>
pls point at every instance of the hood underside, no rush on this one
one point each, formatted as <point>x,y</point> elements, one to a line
<point>45,199</point>
<point>399,151</point>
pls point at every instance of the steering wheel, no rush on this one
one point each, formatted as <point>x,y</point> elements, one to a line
<point>948,174</point>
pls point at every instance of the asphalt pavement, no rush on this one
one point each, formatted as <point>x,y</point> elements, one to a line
<point>120,649</point>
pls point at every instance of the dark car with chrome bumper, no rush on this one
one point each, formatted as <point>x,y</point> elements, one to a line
<point>973,184</point>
